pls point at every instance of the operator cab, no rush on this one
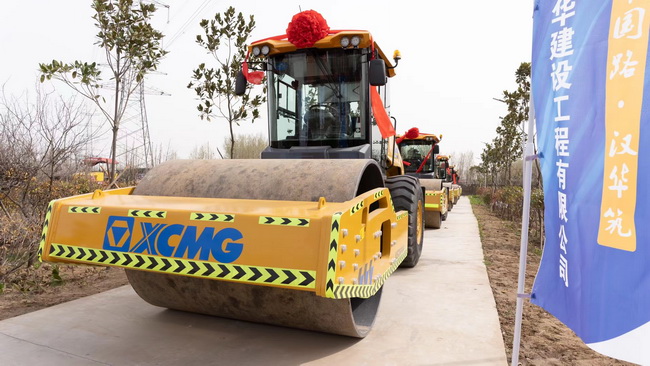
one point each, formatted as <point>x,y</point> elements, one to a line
<point>319,97</point>
<point>316,97</point>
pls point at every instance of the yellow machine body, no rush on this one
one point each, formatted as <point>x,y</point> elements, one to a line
<point>337,250</point>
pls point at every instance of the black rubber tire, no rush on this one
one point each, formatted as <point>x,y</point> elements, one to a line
<point>407,194</point>
<point>444,217</point>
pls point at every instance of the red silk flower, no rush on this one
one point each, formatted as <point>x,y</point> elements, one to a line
<point>412,133</point>
<point>307,28</point>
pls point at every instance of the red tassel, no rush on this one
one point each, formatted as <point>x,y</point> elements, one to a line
<point>381,117</point>
<point>254,77</point>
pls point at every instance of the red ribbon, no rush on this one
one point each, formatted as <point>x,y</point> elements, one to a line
<point>381,117</point>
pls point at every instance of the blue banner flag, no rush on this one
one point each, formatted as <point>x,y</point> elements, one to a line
<point>589,73</point>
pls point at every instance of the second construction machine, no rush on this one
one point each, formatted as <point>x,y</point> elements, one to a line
<point>304,237</point>
<point>419,151</point>
<point>448,174</point>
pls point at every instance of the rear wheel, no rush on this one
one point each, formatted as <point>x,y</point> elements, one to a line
<point>407,195</point>
<point>444,217</point>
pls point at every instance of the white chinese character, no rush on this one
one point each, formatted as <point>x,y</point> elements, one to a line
<point>561,199</point>
<point>558,101</point>
<point>564,270</point>
<point>562,141</point>
<point>625,146</point>
<point>560,75</point>
<point>561,173</point>
<point>562,11</point>
<point>562,43</point>
<point>616,223</point>
<point>619,182</point>
<point>630,25</point>
<point>563,239</point>
<point>628,65</point>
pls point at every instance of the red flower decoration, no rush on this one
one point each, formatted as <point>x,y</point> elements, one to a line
<point>412,133</point>
<point>307,28</point>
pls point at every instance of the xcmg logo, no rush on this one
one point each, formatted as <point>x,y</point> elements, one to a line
<point>175,240</point>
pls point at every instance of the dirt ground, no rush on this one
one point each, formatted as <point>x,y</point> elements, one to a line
<point>38,289</point>
<point>545,341</point>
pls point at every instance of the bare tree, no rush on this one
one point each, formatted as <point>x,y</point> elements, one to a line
<point>40,138</point>
<point>247,146</point>
<point>203,152</point>
<point>462,163</point>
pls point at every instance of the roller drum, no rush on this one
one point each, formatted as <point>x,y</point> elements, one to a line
<point>283,179</point>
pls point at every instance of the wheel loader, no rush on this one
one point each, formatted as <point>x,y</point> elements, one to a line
<point>419,151</point>
<point>446,172</point>
<point>304,237</point>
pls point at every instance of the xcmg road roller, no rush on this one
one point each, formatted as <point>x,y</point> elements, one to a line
<point>419,151</point>
<point>304,237</point>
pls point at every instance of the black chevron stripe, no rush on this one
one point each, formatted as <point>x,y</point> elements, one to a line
<point>229,218</point>
<point>256,274</point>
<point>269,220</point>
<point>160,214</point>
<point>129,259</point>
<point>330,285</point>
<point>224,271</point>
<point>286,221</point>
<point>308,279</point>
<point>209,269</point>
<point>274,275</point>
<point>303,222</point>
<point>199,216</point>
<point>331,265</point>
<point>116,258</point>
<point>290,277</point>
<point>104,257</point>
<point>195,268</point>
<point>180,266</point>
<point>214,217</point>
<point>140,263</point>
<point>166,263</point>
<point>240,272</point>
<point>153,264</point>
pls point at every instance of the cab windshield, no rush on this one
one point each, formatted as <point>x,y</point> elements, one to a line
<point>417,154</point>
<point>316,98</point>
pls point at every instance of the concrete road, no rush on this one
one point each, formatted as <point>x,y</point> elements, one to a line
<point>440,313</point>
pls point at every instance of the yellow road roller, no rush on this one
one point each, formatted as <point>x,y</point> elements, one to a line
<point>304,237</point>
<point>419,151</point>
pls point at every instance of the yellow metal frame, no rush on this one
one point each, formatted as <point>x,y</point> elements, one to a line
<point>337,250</point>
<point>436,201</point>
<point>278,46</point>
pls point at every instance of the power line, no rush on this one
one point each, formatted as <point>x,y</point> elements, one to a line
<point>187,23</point>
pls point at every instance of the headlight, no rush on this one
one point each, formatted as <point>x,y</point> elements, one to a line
<point>265,50</point>
<point>355,41</point>
<point>345,42</point>
<point>256,51</point>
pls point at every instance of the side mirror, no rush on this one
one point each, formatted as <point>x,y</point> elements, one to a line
<point>436,150</point>
<point>377,73</point>
<point>240,84</point>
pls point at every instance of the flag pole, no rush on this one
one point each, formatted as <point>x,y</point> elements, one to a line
<point>529,156</point>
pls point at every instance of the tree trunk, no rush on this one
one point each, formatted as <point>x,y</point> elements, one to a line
<point>116,122</point>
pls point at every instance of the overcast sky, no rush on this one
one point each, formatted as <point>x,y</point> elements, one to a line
<point>456,57</point>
